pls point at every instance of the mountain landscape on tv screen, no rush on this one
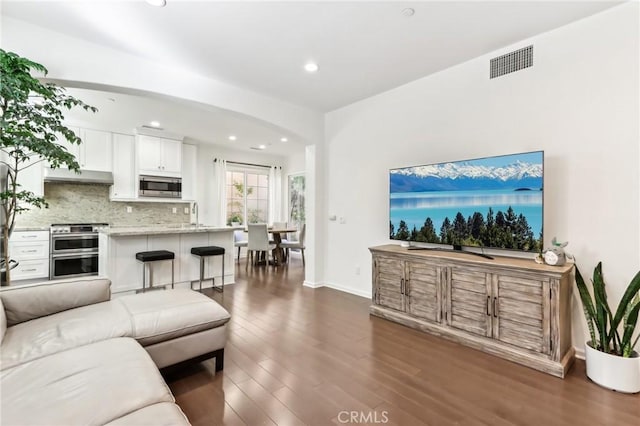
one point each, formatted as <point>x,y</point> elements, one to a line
<point>489,202</point>
<point>466,176</point>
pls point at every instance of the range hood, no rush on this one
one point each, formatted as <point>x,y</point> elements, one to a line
<point>63,175</point>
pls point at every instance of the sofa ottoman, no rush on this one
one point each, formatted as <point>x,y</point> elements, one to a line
<point>177,325</point>
<point>173,325</point>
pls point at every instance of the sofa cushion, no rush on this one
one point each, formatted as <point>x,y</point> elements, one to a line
<point>27,302</point>
<point>164,315</point>
<point>162,414</point>
<point>54,333</point>
<point>89,385</point>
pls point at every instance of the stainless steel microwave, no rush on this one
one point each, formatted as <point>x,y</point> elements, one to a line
<point>158,186</point>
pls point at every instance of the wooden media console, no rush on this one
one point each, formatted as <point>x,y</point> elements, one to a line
<point>512,308</point>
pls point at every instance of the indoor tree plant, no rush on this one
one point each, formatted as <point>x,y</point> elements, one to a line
<point>31,115</point>
<point>610,356</point>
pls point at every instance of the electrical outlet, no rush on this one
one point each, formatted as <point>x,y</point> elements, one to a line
<point>186,210</point>
<point>129,209</point>
<point>357,269</point>
<point>174,210</point>
<point>342,220</point>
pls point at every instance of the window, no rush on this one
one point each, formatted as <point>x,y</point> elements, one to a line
<point>296,200</point>
<point>247,196</point>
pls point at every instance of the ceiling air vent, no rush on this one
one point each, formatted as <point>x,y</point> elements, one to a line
<point>511,62</point>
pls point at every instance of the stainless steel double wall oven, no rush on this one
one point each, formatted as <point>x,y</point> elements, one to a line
<point>74,249</point>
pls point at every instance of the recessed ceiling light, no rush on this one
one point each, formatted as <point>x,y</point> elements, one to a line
<point>157,3</point>
<point>232,138</point>
<point>155,124</point>
<point>283,139</point>
<point>262,146</point>
<point>311,67</point>
<point>408,12</point>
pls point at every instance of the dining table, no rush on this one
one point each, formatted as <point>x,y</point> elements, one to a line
<point>278,252</point>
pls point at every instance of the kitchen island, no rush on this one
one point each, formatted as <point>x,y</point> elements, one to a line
<point>119,245</point>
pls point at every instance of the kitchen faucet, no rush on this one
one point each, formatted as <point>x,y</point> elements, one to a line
<point>194,210</point>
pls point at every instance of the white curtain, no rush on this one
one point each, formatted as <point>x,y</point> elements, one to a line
<point>220,192</point>
<point>275,193</point>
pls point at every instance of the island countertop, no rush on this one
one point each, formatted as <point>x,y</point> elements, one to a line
<point>123,231</point>
<point>119,246</point>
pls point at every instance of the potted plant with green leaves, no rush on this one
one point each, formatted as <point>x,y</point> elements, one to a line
<point>611,359</point>
<point>31,121</point>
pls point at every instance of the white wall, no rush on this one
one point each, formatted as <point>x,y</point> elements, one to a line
<point>206,154</point>
<point>579,103</point>
<point>296,161</point>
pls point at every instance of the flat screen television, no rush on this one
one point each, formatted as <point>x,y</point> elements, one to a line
<point>493,202</point>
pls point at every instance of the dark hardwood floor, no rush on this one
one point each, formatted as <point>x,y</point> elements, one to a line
<point>301,356</point>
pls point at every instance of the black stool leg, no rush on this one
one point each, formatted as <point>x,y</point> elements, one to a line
<point>201,272</point>
<point>172,273</point>
<point>222,288</point>
<point>144,277</point>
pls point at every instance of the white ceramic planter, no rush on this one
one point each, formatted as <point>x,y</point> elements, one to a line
<point>613,372</point>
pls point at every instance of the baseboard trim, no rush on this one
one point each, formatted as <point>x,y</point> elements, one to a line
<point>312,284</point>
<point>339,287</point>
<point>579,353</point>
<point>334,286</point>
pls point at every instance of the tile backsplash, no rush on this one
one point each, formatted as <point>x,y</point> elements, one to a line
<point>74,203</point>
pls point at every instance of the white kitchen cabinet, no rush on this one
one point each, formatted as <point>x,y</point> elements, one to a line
<point>189,172</point>
<point>124,176</point>
<point>31,250</point>
<point>159,156</point>
<point>94,153</point>
<point>30,178</point>
<point>95,150</point>
<point>172,156</point>
<point>149,155</point>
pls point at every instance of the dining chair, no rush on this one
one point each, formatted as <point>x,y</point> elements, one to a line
<point>296,245</point>
<point>258,241</point>
<point>279,225</point>
<point>239,241</point>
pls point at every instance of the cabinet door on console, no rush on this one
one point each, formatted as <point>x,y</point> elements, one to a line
<point>423,290</point>
<point>522,312</point>
<point>468,300</point>
<point>389,275</point>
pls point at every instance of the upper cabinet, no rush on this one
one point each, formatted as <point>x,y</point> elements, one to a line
<point>159,156</point>
<point>189,168</point>
<point>124,177</point>
<point>95,151</point>
<point>30,178</point>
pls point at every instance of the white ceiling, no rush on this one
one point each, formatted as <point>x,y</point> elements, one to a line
<point>362,48</point>
<point>201,124</point>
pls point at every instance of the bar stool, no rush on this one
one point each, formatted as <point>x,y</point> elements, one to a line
<point>203,252</point>
<point>154,256</point>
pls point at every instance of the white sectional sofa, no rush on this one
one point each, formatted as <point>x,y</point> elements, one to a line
<point>70,355</point>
